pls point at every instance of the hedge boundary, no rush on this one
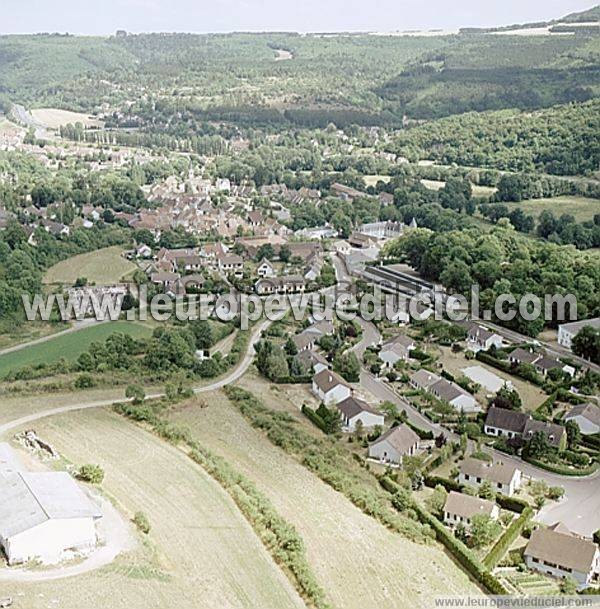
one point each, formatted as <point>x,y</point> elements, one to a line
<point>502,545</point>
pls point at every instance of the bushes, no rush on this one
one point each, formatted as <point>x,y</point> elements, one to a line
<point>310,414</point>
<point>422,433</point>
<point>141,522</point>
<point>514,504</point>
<point>500,548</point>
<point>461,553</point>
<point>93,474</point>
<point>563,470</point>
<point>449,485</point>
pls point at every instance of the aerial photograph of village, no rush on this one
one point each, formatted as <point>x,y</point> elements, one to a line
<point>299,304</point>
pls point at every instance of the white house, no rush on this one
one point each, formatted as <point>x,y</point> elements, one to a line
<point>312,360</point>
<point>567,332</point>
<point>504,478</point>
<point>305,341</point>
<point>394,444</point>
<point>266,269</point>
<point>330,387</point>
<point>395,350</point>
<point>446,391</point>
<point>587,417</point>
<point>502,422</point>
<point>42,515</point>
<point>557,552</point>
<point>481,339</point>
<point>460,508</point>
<point>353,410</point>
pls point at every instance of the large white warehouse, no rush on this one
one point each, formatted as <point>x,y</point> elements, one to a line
<point>44,514</point>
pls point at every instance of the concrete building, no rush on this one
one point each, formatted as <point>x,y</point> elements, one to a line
<point>504,478</point>
<point>567,332</point>
<point>43,515</point>
<point>557,552</point>
<point>460,508</point>
<point>394,445</point>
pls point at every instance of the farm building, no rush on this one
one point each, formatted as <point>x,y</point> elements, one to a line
<point>43,515</point>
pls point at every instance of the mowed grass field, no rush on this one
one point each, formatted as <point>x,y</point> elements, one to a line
<point>200,553</point>
<point>581,208</point>
<point>69,346</point>
<point>53,118</point>
<point>360,563</point>
<point>103,267</point>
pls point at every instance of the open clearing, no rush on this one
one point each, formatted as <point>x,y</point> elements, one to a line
<point>358,561</point>
<point>53,118</point>
<point>200,553</point>
<point>581,207</point>
<point>69,346</point>
<point>478,191</point>
<point>103,267</point>
<point>371,180</point>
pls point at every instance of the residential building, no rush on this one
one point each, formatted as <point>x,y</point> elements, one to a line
<point>266,269</point>
<point>423,379</point>
<point>481,339</point>
<point>556,551</point>
<point>353,410</point>
<point>449,392</point>
<point>289,284</point>
<point>503,422</point>
<point>567,332</point>
<point>542,363</point>
<point>394,445</point>
<point>395,350</point>
<point>587,417</point>
<point>504,478</point>
<point>556,435</point>
<point>330,387</point>
<point>305,341</point>
<point>460,509</point>
<point>312,360</point>
<point>231,264</point>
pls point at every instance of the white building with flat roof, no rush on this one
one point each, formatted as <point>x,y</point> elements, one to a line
<point>567,332</point>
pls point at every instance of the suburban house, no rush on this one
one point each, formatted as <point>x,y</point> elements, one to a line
<point>394,444</point>
<point>460,508</point>
<point>567,332</point>
<point>503,422</point>
<point>195,280</point>
<point>449,392</point>
<point>165,279</point>
<point>312,360</point>
<point>423,379</point>
<point>266,269</point>
<point>290,284</point>
<point>542,363</point>
<point>44,514</point>
<point>304,341</point>
<point>354,410</point>
<point>231,264</point>
<point>330,387</point>
<point>324,327</point>
<point>510,424</point>
<point>189,264</point>
<point>504,478</point>
<point>587,417</point>
<point>481,339</point>
<point>395,350</point>
<point>558,552</point>
<point>347,193</point>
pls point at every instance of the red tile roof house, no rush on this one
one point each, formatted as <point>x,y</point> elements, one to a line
<point>354,409</point>
<point>330,387</point>
<point>504,478</point>
<point>460,509</point>
<point>557,552</point>
<point>394,445</point>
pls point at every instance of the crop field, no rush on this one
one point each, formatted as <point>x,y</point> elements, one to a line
<point>53,118</point>
<point>200,552</point>
<point>103,267</point>
<point>359,562</point>
<point>580,207</point>
<point>69,346</point>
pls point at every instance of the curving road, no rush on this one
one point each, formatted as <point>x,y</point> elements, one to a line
<point>580,507</point>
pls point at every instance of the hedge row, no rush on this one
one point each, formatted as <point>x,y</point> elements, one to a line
<point>449,485</point>
<point>501,546</point>
<point>486,358</point>
<point>457,548</point>
<point>592,442</point>
<point>309,413</point>
<point>562,470</point>
<point>422,433</point>
<point>514,504</point>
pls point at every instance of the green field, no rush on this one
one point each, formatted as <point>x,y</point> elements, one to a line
<point>105,266</point>
<point>582,208</point>
<point>69,346</point>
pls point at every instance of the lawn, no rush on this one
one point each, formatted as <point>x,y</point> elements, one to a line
<point>69,346</point>
<point>105,266</point>
<point>582,208</point>
<point>53,118</point>
<point>201,552</point>
<point>358,561</point>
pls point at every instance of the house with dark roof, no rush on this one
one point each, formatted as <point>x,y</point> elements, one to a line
<point>587,417</point>
<point>558,552</point>
<point>330,387</point>
<point>395,444</point>
<point>395,350</point>
<point>504,478</point>
<point>502,422</point>
<point>353,410</point>
<point>305,341</point>
<point>482,339</point>
<point>567,332</point>
<point>312,360</point>
<point>556,435</point>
